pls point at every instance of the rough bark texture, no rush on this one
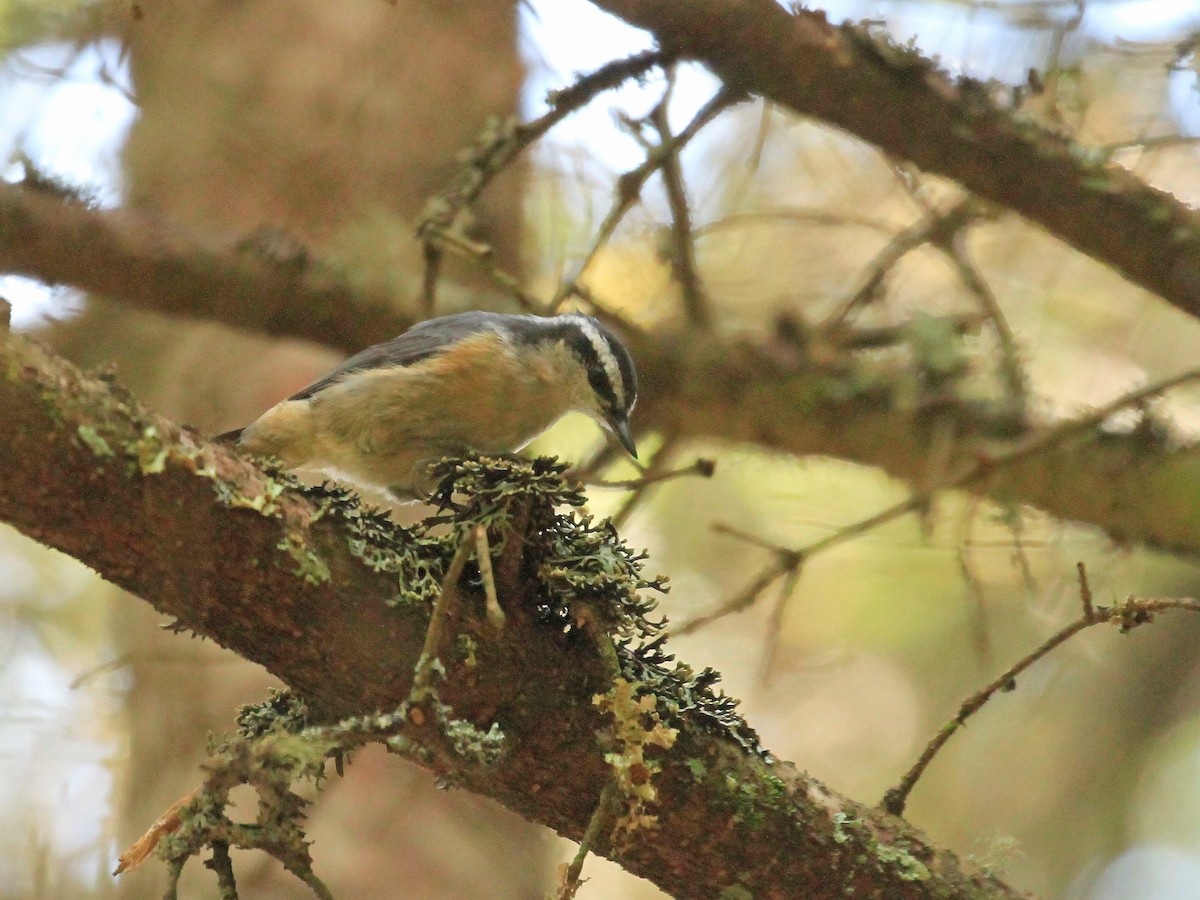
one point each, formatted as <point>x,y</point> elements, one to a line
<point>153,510</point>
<point>897,100</point>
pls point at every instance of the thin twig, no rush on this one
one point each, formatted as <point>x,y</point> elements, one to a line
<point>932,228</point>
<point>702,466</point>
<point>629,186</point>
<point>655,472</point>
<point>788,559</point>
<point>432,254</point>
<point>500,146</point>
<point>640,486</point>
<point>987,465</point>
<point>979,626</point>
<point>1013,520</point>
<point>760,137</point>
<point>775,621</point>
<point>483,554</point>
<point>785,561</point>
<point>1153,142</point>
<point>482,255</point>
<point>683,246</point>
<point>1085,591</point>
<point>501,142</point>
<point>445,606</point>
<point>601,820</point>
<point>223,866</point>
<point>799,215</point>
<point>1127,616</point>
<point>977,286</point>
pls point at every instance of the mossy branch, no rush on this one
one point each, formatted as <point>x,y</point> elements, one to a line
<point>243,556</point>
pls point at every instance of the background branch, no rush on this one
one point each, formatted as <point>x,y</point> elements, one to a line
<point>697,385</point>
<point>898,100</point>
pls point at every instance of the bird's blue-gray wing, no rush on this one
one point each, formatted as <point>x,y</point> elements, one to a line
<point>420,342</point>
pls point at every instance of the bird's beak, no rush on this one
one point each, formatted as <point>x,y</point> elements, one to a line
<point>620,427</point>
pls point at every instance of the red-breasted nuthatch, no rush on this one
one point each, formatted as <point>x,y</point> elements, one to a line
<point>472,382</point>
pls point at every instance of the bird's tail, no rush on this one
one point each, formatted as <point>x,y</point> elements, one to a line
<point>229,437</point>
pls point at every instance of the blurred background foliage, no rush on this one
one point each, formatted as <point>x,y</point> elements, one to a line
<point>329,125</point>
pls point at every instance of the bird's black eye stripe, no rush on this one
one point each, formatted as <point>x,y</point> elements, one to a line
<point>609,368</point>
<point>597,375</point>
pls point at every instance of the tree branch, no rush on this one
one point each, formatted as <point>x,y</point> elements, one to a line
<point>141,259</point>
<point>694,385</point>
<point>898,100</point>
<point>307,587</point>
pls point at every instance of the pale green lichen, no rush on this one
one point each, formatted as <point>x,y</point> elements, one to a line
<point>840,822</point>
<point>906,866</point>
<point>465,648</point>
<point>636,726</point>
<point>309,565</point>
<point>93,440</point>
<point>149,451</point>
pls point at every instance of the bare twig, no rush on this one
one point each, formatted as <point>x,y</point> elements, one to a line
<point>223,866</point>
<point>799,215</point>
<point>1153,142</point>
<point>602,819</point>
<point>655,472</point>
<point>499,146</point>
<point>702,466</point>
<point>1126,616</point>
<point>979,627</point>
<point>784,562</point>
<point>787,560</point>
<point>931,228</point>
<point>977,285</point>
<point>483,554</point>
<point>482,255</point>
<point>775,621</point>
<point>1085,591</point>
<point>444,607</point>
<point>683,246</point>
<point>629,186</point>
<point>432,254</point>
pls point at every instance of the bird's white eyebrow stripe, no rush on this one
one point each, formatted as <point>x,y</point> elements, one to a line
<point>604,353</point>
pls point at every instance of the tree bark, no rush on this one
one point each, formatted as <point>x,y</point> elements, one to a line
<point>205,538</point>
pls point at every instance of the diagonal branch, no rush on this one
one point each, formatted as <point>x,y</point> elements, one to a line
<point>304,583</point>
<point>898,100</point>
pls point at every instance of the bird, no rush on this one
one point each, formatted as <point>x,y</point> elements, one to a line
<point>472,382</point>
